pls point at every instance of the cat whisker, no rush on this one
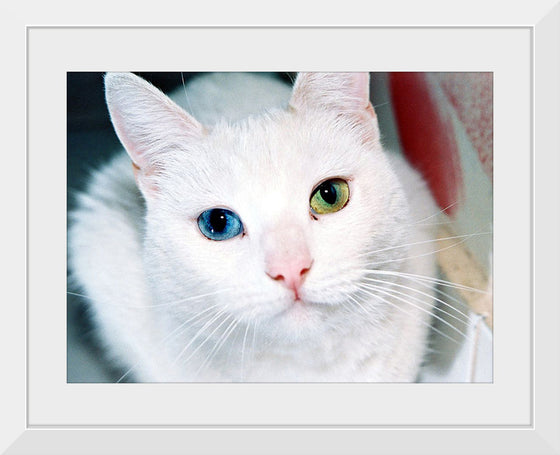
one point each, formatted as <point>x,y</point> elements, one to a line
<point>422,322</point>
<point>253,341</point>
<point>389,293</point>
<point>156,305</point>
<point>79,295</point>
<point>386,103</point>
<point>430,350</point>
<point>218,315</point>
<point>429,284</point>
<point>437,223</point>
<point>185,91</point>
<point>357,324</point>
<point>360,306</point>
<point>440,212</point>
<point>197,318</point>
<point>243,345</point>
<point>464,238</point>
<point>180,329</point>
<point>429,253</point>
<point>218,345</point>
<point>465,316</point>
<point>126,373</point>
<point>367,269</point>
<point>208,337</point>
<point>353,301</point>
<point>427,279</point>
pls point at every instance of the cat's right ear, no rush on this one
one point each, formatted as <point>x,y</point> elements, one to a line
<point>346,94</point>
<point>342,92</point>
<point>148,124</point>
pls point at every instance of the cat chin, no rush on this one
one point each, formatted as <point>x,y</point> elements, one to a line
<point>298,320</point>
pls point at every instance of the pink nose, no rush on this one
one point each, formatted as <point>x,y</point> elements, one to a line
<point>290,271</point>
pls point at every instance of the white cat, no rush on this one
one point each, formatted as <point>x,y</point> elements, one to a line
<point>270,242</point>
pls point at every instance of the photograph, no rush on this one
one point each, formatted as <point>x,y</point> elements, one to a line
<point>288,227</point>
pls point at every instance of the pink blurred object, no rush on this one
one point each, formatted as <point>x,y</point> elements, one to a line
<point>424,106</point>
<point>471,96</point>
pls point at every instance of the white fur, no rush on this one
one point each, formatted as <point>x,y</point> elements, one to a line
<point>147,269</point>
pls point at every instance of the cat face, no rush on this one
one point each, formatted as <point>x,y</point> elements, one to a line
<point>273,219</point>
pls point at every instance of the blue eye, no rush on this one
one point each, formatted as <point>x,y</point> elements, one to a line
<point>219,224</point>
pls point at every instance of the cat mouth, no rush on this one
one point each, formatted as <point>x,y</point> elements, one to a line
<point>295,304</point>
<point>299,302</point>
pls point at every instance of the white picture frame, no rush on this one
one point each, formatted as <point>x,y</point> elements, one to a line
<point>518,413</point>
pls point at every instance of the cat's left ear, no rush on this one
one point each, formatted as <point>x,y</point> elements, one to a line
<point>342,92</point>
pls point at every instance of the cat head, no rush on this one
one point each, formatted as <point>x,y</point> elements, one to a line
<point>270,219</point>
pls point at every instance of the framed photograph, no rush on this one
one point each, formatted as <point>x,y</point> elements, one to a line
<point>517,410</point>
<point>216,334</point>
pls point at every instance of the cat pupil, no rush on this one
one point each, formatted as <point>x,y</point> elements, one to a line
<point>218,220</point>
<point>328,192</point>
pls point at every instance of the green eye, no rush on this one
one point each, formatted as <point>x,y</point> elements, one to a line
<point>329,197</point>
